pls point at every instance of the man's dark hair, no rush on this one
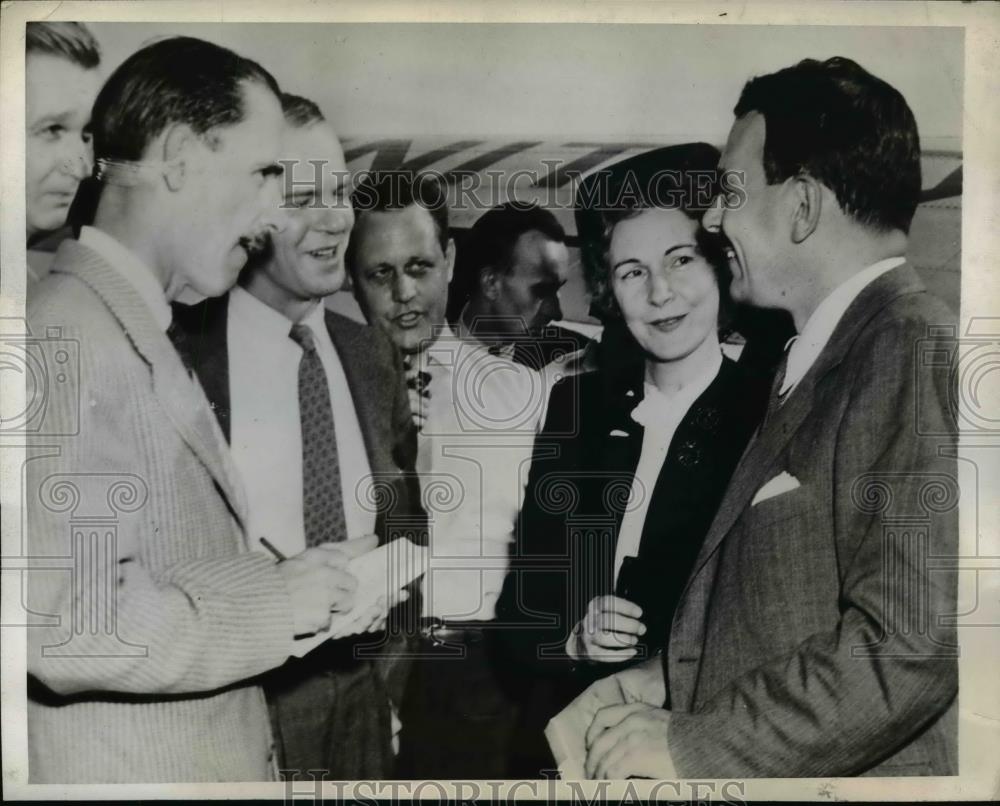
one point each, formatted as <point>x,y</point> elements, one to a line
<point>385,191</point>
<point>72,41</point>
<point>176,80</point>
<point>300,112</point>
<point>846,128</point>
<point>490,244</point>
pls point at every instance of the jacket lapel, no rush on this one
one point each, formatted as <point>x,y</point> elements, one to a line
<point>362,373</point>
<point>181,398</point>
<point>201,337</point>
<point>764,449</point>
<point>619,441</point>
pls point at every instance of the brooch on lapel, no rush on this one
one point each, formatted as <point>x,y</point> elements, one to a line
<point>689,454</point>
<point>707,418</point>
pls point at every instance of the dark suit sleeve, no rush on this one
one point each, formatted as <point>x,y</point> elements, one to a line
<point>844,699</point>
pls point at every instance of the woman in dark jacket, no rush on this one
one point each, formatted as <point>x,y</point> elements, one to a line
<point>634,457</point>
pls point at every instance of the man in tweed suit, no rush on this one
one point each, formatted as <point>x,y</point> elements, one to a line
<point>330,709</point>
<point>142,668</point>
<point>815,636</point>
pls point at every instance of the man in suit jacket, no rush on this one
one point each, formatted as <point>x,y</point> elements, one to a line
<point>142,669</point>
<point>330,709</point>
<point>815,636</point>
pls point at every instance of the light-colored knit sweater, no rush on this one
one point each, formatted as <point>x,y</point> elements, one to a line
<point>147,676</point>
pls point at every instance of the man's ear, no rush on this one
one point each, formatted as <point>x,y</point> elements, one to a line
<point>489,283</point>
<point>449,258</point>
<point>177,144</point>
<point>807,198</point>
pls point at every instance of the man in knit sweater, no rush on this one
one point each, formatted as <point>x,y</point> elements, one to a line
<point>141,669</point>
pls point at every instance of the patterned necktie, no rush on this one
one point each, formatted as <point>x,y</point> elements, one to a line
<point>776,398</point>
<point>322,497</point>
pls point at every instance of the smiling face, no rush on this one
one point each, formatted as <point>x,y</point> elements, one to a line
<point>228,191</point>
<point>313,228</point>
<point>665,289</point>
<point>528,292</point>
<point>750,221</point>
<point>58,98</point>
<point>401,274</point>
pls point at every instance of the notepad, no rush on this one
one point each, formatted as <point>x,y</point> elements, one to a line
<point>383,571</point>
<point>566,732</point>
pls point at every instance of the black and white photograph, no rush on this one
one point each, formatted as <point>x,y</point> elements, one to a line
<point>491,401</point>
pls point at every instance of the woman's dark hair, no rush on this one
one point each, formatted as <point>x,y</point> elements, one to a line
<point>674,178</point>
<point>175,80</point>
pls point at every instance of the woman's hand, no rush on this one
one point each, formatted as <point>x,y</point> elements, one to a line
<point>609,631</point>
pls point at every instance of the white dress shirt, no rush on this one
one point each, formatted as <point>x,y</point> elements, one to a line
<point>553,372</point>
<point>659,415</point>
<point>266,429</point>
<point>817,330</point>
<point>130,266</point>
<point>473,456</point>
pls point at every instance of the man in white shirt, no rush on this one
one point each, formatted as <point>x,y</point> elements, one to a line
<point>478,415</point>
<point>505,293</point>
<point>162,684</point>
<point>310,480</point>
<point>816,634</point>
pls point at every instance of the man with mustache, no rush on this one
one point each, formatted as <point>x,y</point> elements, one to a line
<point>477,416</point>
<point>61,82</point>
<point>145,666</point>
<point>816,634</point>
<point>251,350</point>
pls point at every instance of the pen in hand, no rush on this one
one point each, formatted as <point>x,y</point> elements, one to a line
<point>271,548</point>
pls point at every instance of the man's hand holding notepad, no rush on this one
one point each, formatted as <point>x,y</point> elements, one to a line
<point>382,574</point>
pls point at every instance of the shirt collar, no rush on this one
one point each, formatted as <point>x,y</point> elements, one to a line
<point>818,329</point>
<point>315,320</point>
<point>266,320</point>
<point>131,267</point>
<point>657,408</point>
<point>446,338</point>
<point>501,349</point>
<point>269,322</point>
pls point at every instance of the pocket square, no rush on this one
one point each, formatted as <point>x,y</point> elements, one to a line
<point>782,483</point>
<point>617,432</point>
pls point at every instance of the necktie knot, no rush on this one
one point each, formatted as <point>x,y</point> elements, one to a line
<point>303,336</point>
<point>784,381</point>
